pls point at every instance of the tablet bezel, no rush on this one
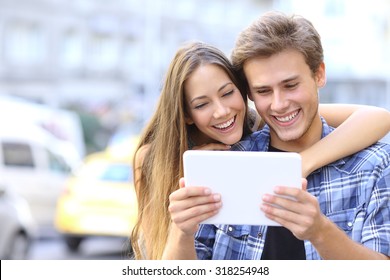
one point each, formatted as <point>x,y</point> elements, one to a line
<point>242,178</point>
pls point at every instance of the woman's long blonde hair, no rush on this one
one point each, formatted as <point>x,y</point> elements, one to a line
<point>167,137</point>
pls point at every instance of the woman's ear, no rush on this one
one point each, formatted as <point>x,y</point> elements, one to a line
<point>188,120</point>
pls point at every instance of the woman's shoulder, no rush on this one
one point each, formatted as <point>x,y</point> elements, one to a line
<point>140,154</point>
<point>255,121</point>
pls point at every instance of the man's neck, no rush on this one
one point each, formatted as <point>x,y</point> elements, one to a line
<point>311,136</point>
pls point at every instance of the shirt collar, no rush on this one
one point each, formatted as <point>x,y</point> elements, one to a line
<point>326,130</point>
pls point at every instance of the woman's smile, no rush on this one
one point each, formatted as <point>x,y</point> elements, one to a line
<point>226,126</point>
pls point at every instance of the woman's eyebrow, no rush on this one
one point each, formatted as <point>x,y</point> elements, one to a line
<point>197,98</point>
<point>204,96</point>
<point>225,85</point>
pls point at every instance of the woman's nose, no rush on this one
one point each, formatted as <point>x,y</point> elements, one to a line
<point>221,110</point>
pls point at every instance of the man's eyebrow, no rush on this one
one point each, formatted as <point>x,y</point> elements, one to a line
<point>287,80</point>
<point>290,79</point>
<point>258,87</point>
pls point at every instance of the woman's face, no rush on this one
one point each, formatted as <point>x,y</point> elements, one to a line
<point>214,105</point>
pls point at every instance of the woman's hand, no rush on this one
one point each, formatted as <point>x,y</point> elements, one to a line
<point>189,206</point>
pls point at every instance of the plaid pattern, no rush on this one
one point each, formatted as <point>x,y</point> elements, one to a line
<point>353,192</point>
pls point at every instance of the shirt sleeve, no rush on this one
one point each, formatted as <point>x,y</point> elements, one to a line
<point>376,231</point>
<point>204,241</point>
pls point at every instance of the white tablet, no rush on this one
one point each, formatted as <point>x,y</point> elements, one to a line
<point>242,178</point>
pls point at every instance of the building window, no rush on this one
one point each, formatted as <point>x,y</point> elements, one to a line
<point>71,54</point>
<point>24,43</point>
<point>104,52</point>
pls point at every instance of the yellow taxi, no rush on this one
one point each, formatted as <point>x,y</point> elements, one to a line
<point>99,199</point>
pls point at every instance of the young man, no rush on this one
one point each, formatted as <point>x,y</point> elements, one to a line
<point>345,211</point>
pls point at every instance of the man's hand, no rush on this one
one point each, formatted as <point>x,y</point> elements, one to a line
<point>299,211</point>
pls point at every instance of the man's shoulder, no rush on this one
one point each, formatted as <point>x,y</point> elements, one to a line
<point>376,155</point>
<point>375,150</point>
<point>256,141</point>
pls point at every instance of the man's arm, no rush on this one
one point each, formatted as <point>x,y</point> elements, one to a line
<point>327,243</point>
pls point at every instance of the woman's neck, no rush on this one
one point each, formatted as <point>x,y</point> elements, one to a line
<point>197,137</point>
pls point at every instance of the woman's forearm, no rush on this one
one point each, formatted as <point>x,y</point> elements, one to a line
<point>179,246</point>
<point>362,128</point>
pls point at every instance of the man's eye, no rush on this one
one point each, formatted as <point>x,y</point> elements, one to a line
<point>291,86</point>
<point>263,91</point>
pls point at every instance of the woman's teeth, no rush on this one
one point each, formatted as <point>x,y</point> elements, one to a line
<point>225,124</point>
<point>287,118</point>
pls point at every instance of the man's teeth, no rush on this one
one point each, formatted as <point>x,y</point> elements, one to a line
<point>287,118</point>
<point>225,124</point>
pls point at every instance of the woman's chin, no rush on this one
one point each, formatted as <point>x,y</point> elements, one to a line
<point>230,140</point>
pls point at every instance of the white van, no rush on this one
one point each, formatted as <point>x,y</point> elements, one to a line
<point>17,229</point>
<point>35,165</point>
<point>63,124</point>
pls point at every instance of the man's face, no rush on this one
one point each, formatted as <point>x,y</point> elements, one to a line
<point>285,93</point>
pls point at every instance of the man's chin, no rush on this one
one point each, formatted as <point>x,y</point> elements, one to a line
<point>285,136</point>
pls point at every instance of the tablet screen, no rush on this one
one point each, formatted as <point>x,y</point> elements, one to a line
<point>242,178</point>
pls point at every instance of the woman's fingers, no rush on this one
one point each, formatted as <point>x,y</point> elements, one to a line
<point>196,213</point>
<point>186,192</point>
<point>189,206</point>
<point>190,202</point>
<point>191,225</point>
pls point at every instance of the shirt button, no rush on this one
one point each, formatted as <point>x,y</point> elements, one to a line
<point>230,229</point>
<point>350,224</point>
<point>260,235</point>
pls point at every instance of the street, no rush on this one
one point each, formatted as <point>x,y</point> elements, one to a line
<point>94,248</point>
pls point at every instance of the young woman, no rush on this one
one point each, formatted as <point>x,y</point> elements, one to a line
<point>204,106</point>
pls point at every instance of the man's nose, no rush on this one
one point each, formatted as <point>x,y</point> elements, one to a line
<point>279,101</point>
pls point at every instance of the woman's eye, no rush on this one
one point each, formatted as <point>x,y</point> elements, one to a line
<point>229,93</point>
<point>199,106</point>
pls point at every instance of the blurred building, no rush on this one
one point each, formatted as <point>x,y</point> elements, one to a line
<point>116,52</point>
<point>356,40</point>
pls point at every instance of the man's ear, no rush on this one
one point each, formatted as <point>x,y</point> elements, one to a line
<point>321,75</point>
<point>250,96</point>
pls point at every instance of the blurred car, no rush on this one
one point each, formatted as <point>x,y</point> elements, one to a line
<point>17,228</point>
<point>36,166</point>
<point>99,199</point>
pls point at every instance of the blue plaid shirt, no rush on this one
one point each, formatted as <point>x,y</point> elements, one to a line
<point>353,192</point>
